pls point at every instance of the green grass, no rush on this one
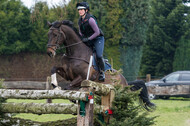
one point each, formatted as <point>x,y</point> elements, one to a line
<point>43,117</point>
<point>172,112</point>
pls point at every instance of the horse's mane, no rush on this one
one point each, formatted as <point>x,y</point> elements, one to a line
<point>57,24</point>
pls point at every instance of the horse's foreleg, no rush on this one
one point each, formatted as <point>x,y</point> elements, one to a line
<point>54,78</point>
<point>76,81</point>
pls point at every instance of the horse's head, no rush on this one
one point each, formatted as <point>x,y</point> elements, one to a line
<point>56,37</point>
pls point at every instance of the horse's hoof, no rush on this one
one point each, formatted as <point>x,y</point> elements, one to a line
<point>57,88</point>
<point>53,85</point>
<point>150,106</point>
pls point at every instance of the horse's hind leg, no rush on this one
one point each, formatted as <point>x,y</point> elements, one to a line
<point>138,84</point>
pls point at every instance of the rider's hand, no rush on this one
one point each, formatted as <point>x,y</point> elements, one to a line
<point>85,39</point>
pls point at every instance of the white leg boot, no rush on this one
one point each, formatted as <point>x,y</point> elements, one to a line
<point>54,82</point>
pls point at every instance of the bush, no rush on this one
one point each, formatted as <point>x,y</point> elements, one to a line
<point>126,111</point>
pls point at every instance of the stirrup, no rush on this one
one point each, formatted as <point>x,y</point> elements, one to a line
<point>101,76</point>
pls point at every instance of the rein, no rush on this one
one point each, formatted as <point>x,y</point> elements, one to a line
<point>58,46</point>
<point>71,45</point>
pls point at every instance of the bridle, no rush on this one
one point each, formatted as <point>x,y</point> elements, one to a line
<point>57,46</point>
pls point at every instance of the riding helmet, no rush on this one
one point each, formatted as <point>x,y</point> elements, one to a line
<point>83,5</point>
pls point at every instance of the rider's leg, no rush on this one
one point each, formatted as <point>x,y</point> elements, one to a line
<point>99,47</point>
<point>101,69</point>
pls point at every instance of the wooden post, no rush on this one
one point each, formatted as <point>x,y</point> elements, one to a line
<point>85,118</point>
<point>148,77</point>
<point>48,87</point>
<point>107,92</point>
<point>107,102</point>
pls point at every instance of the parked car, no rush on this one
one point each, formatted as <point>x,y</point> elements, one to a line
<point>176,84</point>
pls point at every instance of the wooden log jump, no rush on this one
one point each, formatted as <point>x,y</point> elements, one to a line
<point>40,108</point>
<point>43,94</point>
<point>85,96</point>
<point>43,108</point>
<point>99,88</point>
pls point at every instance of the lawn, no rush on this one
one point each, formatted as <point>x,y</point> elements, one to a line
<point>171,112</point>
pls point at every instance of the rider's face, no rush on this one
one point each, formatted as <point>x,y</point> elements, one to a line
<point>81,12</point>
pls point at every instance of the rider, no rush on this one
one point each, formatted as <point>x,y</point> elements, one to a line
<point>91,34</point>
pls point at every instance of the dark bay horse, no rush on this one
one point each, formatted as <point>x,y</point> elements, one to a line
<point>75,61</point>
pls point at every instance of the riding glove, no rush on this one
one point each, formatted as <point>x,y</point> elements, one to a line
<point>85,39</point>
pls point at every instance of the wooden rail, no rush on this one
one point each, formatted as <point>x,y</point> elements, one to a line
<point>85,97</point>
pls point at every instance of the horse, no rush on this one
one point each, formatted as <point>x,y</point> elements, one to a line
<point>75,61</point>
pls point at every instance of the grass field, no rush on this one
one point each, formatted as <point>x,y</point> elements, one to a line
<point>171,112</point>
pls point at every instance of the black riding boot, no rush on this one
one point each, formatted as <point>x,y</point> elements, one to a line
<point>101,66</point>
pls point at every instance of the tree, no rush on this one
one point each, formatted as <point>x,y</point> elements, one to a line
<point>181,58</point>
<point>125,110</point>
<point>39,17</point>
<point>15,27</point>
<point>113,30</point>
<point>165,30</point>
<point>71,12</point>
<point>134,19</point>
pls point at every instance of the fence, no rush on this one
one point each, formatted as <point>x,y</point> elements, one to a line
<point>84,110</point>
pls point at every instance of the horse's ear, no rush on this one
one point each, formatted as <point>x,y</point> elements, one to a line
<point>56,24</point>
<point>49,24</point>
